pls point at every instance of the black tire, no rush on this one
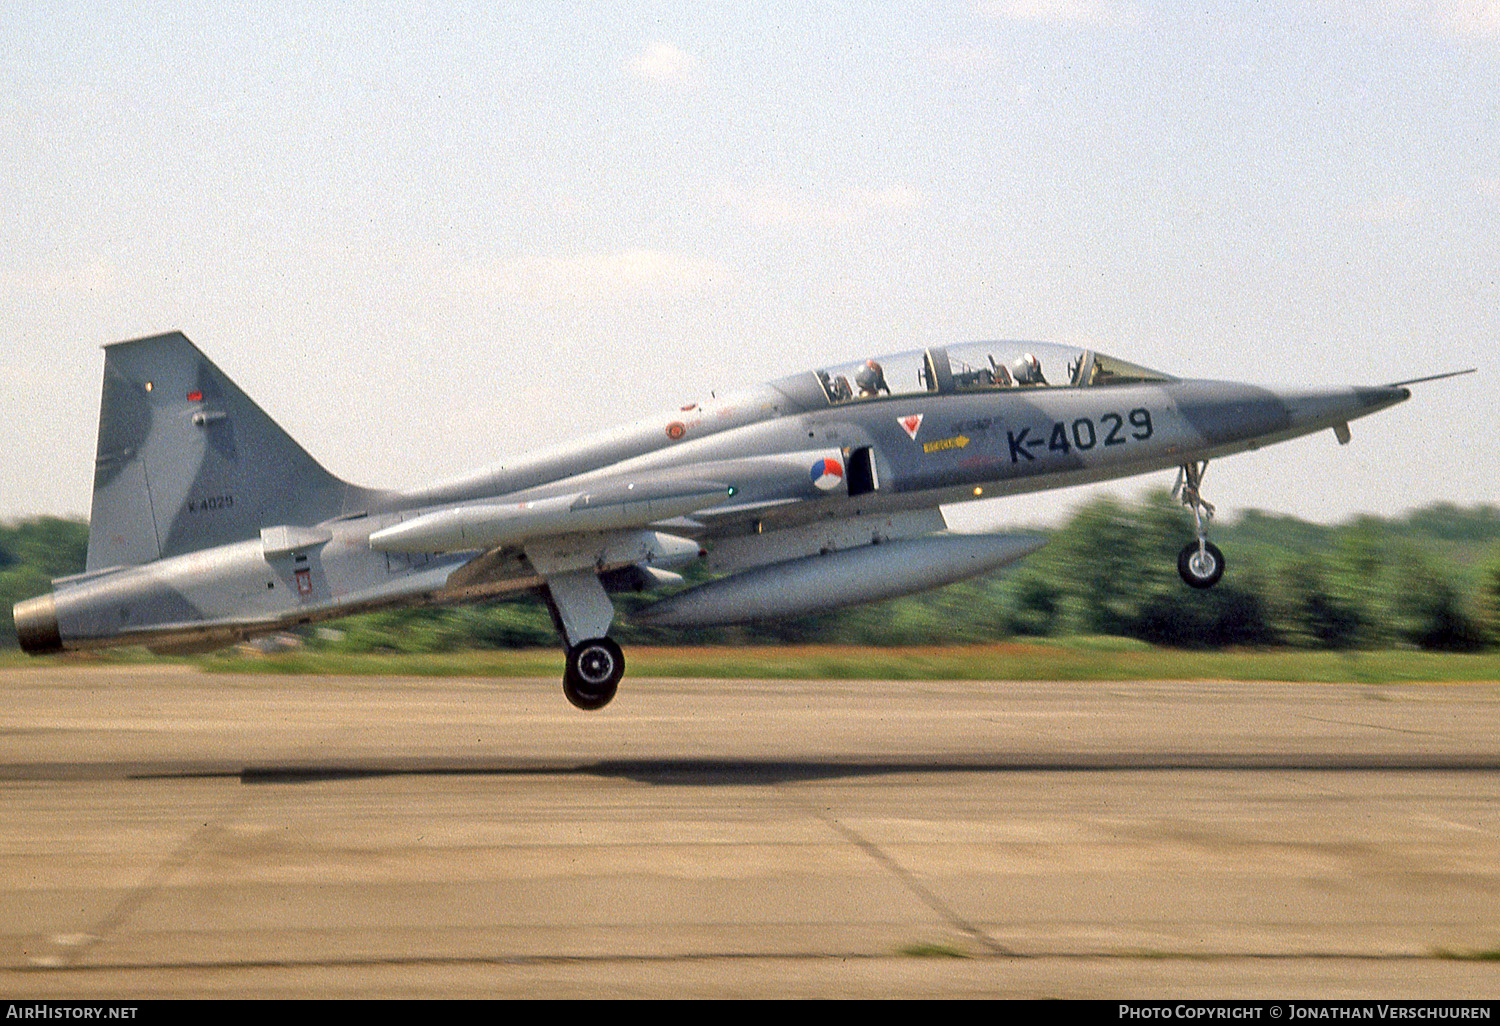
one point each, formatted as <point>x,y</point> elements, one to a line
<point>594,671</point>
<point>1200,570</point>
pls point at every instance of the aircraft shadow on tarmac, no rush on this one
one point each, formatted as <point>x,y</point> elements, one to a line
<point>742,771</point>
<point>730,772</point>
<point>762,771</point>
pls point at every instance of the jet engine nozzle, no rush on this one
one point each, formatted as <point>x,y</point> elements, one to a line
<point>36,626</point>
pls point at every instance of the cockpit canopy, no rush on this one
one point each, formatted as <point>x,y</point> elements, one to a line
<point>979,367</point>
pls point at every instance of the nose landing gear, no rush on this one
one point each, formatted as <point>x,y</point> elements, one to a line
<point>1200,563</point>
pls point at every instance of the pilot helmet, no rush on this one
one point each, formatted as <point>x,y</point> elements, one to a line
<point>870,378</point>
<point>1026,370</point>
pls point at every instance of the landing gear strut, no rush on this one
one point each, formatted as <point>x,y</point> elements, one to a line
<point>583,612</point>
<point>593,675</point>
<point>1200,564</point>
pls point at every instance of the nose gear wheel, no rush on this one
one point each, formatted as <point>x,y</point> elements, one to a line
<point>1200,564</point>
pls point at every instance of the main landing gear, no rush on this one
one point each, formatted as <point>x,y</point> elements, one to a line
<point>583,612</point>
<point>1200,563</point>
<point>593,674</point>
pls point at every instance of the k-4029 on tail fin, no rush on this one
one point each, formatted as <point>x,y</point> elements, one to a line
<point>187,461</point>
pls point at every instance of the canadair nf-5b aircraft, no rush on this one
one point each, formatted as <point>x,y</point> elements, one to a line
<point>823,489</point>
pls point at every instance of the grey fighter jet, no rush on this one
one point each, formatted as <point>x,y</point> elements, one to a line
<point>818,490</point>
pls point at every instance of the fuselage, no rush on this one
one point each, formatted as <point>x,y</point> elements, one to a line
<point>926,449</point>
<point>801,450</point>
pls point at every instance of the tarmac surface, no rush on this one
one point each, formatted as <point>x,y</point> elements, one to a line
<point>169,833</point>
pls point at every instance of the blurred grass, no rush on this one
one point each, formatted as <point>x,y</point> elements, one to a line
<point>1063,659</point>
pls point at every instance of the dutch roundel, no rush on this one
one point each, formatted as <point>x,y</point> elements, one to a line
<point>827,474</point>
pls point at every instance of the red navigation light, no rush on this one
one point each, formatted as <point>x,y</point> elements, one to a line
<point>195,397</point>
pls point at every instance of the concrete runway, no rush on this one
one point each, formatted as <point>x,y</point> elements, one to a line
<point>167,833</point>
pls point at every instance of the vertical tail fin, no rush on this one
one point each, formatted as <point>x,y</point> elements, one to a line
<point>187,461</point>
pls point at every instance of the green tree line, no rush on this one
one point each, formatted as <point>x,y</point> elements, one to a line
<point>32,553</point>
<point>1430,580</point>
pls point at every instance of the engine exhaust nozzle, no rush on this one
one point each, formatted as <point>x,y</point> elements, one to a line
<point>36,626</point>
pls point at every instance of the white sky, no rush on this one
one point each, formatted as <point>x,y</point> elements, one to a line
<point>427,237</point>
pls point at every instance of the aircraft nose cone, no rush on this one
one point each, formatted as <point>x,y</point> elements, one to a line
<point>1373,399</point>
<point>1327,406</point>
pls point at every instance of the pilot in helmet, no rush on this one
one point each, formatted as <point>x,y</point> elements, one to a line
<point>1027,370</point>
<point>871,380</point>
